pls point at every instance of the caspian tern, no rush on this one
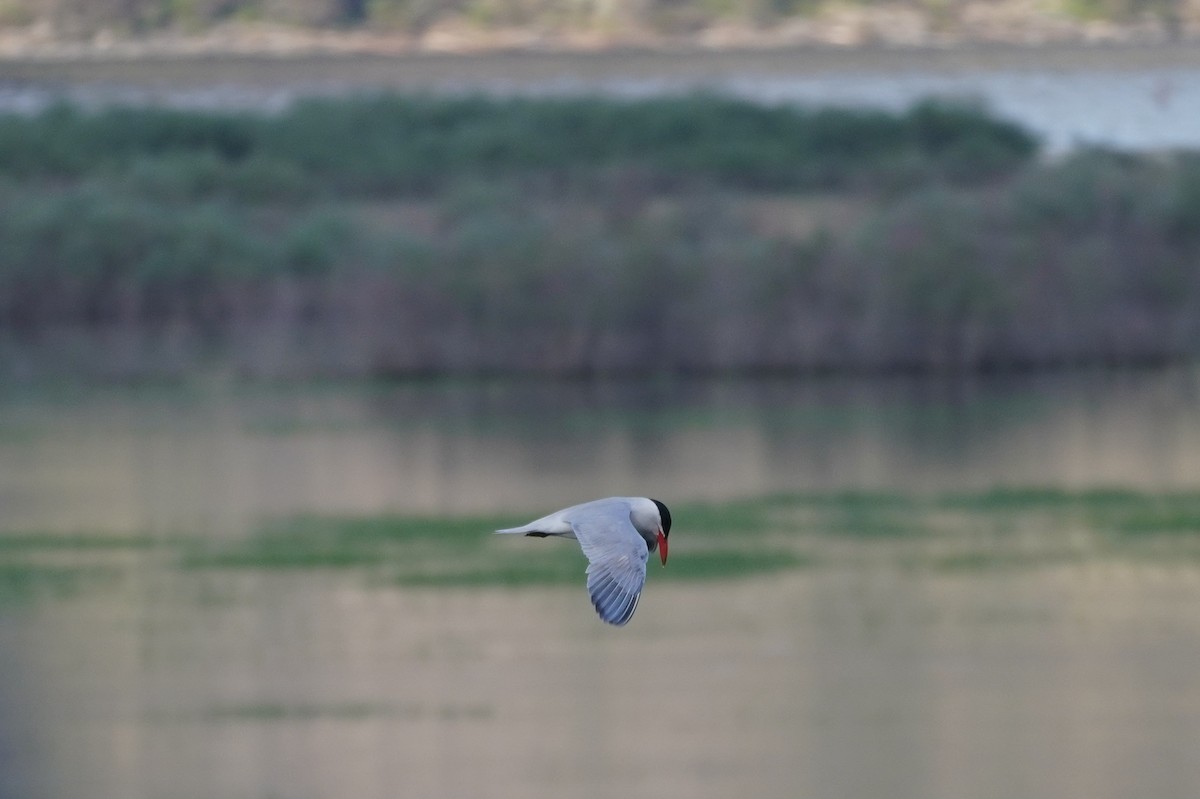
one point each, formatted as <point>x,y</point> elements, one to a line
<point>617,535</point>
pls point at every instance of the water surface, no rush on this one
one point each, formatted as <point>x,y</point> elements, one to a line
<point>1004,644</point>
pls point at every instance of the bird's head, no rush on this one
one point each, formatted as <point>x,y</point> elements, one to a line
<point>664,529</point>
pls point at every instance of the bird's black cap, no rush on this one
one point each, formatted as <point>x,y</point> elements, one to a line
<point>666,517</point>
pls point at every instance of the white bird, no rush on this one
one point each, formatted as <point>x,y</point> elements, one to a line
<point>617,535</point>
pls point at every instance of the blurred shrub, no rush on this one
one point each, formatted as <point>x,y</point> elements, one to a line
<point>1091,259</point>
<point>586,237</point>
<point>388,144</point>
<point>87,256</point>
<point>65,141</point>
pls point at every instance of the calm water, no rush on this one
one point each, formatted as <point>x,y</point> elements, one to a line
<point>860,680</point>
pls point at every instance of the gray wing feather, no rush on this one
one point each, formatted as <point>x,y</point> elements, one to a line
<point>616,556</point>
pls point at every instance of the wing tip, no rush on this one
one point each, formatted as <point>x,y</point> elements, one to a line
<point>613,604</point>
<point>619,619</point>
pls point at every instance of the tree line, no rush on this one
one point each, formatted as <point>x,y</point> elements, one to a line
<point>135,17</point>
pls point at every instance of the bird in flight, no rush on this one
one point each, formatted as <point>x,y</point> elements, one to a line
<point>617,535</point>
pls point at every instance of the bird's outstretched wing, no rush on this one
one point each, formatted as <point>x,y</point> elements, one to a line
<point>616,556</point>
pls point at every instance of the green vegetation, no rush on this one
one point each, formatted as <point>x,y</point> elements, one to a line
<point>273,712</point>
<point>400,236</point>
<point>1175,514</point>
<point>269,712</point>
<point>308,542</point>
<point>446,553</point>
<point>287,712</point>
<point>22,583</point>
<point>954,534</point>
<point>386,144</point>
<point>667,17</point>
<point>50,542</point>
<point>1003,528</point>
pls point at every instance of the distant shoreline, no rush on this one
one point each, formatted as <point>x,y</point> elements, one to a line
<point>431,70</point>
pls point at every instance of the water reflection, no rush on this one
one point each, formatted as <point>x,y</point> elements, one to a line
<point>866,679</point>
<point>823,685</point>
<point>218,459</point>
